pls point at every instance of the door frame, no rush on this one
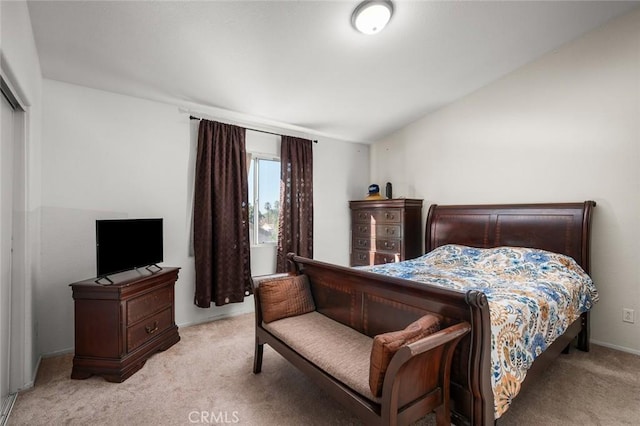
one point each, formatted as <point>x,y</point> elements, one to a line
<point>21,342</point>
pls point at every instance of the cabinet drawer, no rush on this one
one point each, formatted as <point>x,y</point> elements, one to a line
<point>380,258</point>
<point>388,245</point>
<point>387,216</point>
<point>362,230</point>
<point>144,331</point>
<point>362,216</point>
<point>362,243</point>
<point>143,306</point>
<point>387,231</point>
<point>377,216</point>
<point>360,258</point>
<point>363,258</point>
<point>378,231</point>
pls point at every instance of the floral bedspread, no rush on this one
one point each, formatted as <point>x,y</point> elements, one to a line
<point>533,295</point>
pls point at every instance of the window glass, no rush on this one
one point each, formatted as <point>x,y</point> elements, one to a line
<point>264,200</point>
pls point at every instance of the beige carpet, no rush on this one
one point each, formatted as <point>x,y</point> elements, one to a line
<point>206,378</point>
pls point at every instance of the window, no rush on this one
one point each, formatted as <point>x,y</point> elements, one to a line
<point>264,199</point>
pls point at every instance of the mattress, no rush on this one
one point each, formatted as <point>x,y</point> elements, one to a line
<point>533,296</point>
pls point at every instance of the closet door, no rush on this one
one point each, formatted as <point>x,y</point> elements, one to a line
<point>6,238</point>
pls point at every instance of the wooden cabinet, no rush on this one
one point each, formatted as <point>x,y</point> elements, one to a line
<point>385,231</point>
<point>119,326</point>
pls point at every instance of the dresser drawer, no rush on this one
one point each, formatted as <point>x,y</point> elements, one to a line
<point>377,216</point>
<point>360,258</point>
<point>362,230</point>
<point>380,258</point>
<point>361,243</point>
<point>142,306</point>
<point>387,216</point>
<point>377,231</point>
<point>388,245</point>
<point>364,258</point>
<point>144,331</point>
<point>387,231</point>
<point>362,216</point>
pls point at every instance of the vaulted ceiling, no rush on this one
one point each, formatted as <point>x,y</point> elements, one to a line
<point>301,63</point>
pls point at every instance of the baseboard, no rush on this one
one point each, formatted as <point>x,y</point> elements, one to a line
<point>616,347</point>
<point>32,383</point>
<point>8,405</point>
<point>34,374</point>
<point>217,317</point>
<point>58,353</point>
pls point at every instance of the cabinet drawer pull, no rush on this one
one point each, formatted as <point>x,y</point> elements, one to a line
<point>152,329</point>
<point>389,216</point>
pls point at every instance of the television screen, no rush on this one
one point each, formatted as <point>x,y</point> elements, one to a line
<point>124,244</point>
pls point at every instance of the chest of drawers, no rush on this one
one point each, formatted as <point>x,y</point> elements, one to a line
<point>384,231</point>
<point>119,326</point>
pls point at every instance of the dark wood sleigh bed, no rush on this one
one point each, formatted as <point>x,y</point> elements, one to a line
<point>558,227</point>
<point>563,228</point>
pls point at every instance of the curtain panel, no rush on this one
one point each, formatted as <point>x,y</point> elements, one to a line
<point>295,222</point>
<point>221,212</point>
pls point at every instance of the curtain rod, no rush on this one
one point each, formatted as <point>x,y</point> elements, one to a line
<point>192,117</point>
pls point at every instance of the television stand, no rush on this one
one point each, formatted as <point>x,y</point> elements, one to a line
<point>119,326</point>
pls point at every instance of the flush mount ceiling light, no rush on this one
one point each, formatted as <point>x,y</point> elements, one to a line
<point>371,16</point>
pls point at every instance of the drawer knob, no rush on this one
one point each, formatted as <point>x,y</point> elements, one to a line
<point>150,329</point>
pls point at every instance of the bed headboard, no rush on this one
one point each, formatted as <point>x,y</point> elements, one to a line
<point>559,227</point>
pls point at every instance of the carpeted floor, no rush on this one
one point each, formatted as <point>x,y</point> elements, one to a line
<point>206,378</point>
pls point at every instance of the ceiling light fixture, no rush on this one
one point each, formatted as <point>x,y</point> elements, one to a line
<point>371,16</point>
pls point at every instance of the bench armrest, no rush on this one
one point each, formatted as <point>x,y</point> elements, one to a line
<point>425,364</point>
<point>437,339</point>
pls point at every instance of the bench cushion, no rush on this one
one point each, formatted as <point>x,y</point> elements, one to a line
<point>338,350</point>
<point>386,345</point>
<point>285,297</point>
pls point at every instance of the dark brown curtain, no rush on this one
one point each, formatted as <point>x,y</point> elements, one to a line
<point>220,223</point>
<point>295,231</point>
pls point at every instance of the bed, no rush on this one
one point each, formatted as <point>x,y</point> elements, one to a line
<point>560,233</point>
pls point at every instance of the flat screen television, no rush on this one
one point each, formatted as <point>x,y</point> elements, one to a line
<point>125,244</point>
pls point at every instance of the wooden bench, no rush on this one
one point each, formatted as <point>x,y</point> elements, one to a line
<point>335,347</point>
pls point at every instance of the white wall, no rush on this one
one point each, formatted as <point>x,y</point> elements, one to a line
<point>564,128</point>
<point>340,174</point>
<point>21,68</point>
<point>109,155</point>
